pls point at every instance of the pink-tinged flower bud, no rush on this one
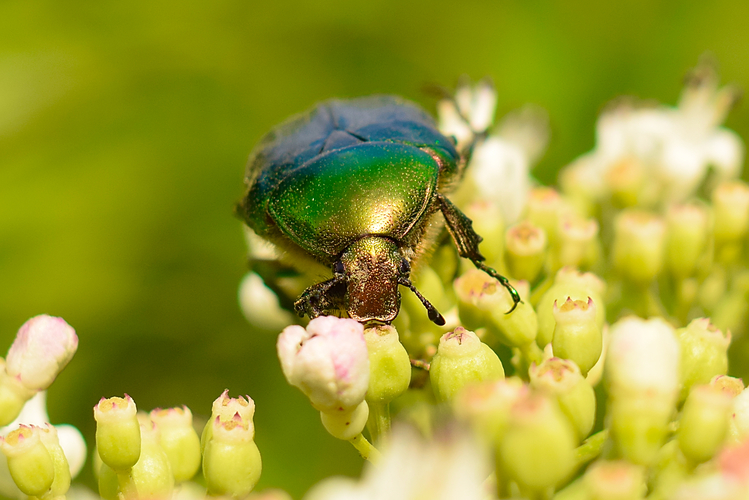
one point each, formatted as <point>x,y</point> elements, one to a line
<point>231,459</point>
<point>615,480</point>
<point>642,372</point>
<point>117,432</point>
<point>733,464</point>
<point>577,336</point>
<point>704,353</point>
<point>226,408</point>
<point>639,245</point>
<point>328,361</point>
<point>686,238</point>
<point>462,359</point>
<point>704,423</point>
<point>537,448</point>
<point>486,406</point>
<point>577,245</point>
<point>526,250</point>
<point>730,211</point>
<point>42,348</point>
<point>179,440</point>
<point>30,463</point>
<point>561,380</point>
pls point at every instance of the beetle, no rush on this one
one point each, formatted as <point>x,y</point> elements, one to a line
<point>360,186</point>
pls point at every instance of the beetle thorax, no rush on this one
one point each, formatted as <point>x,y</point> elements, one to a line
<point>371,266</point>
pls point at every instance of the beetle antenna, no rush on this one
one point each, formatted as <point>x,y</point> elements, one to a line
<point>434,315</point>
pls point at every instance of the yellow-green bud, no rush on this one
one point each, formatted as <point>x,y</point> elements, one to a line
<point>484,302</point>
<point>739,421</point>
<point>13,395</point>
<point>577,336</point>
<point>179,440</point>
<point>526,250</point>
<point>639,245</point>
<point>704,422</point>
<point>704,353</point>
<point>117,432</point>
<point>152,476</point>
<point>345,423</point>
<point>429,283</point>
<point>537,450</point>
<point>577,245</point>
<point>615,480</point>
<point>561,379</point>
<point>686,238</point>
<point>486,406</point>
<point>571,283</point>
<point>30,464</point>
<point>462,359</point>
<point>389,364</point>
<point>61,483</point>
<point>625,179</point>
<point>545,207</point>
<point>730,211</point>
<point>231,460</point>
<point>730,385</point>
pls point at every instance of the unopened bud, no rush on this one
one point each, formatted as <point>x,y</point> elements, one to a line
<point>704,423</point>
<point>577,336</point>
<point>179,440</point>
<point>561,379</point>
<point>704,353</point>
<point>730,211</point>
<point>686,238</point>
<point>118,437</point>
<point>462,359</point>
<point>29,461</point>
<point>526,250</point>
<point>638,249</point>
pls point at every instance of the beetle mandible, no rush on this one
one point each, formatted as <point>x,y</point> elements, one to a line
<point>360,186</point>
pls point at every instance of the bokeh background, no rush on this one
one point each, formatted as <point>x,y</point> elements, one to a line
<point>125,128</point>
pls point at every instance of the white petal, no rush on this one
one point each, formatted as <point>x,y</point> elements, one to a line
<point>724,150</point>
<point>260,304</point>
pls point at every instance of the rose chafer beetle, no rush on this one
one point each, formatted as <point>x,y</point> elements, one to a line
<point>359,186</point>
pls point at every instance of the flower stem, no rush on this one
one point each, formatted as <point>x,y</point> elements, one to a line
<point>378,423</point>
<point>365,449</point>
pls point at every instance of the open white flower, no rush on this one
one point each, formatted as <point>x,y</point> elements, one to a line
<point>449,466</point>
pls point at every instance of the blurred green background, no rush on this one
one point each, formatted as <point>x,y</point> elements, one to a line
<point>124,131</point>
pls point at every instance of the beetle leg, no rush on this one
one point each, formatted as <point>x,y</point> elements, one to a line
<point>316,300</point>
<point>467,242</point>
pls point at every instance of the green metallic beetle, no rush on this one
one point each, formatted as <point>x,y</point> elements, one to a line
<point>359,186</point>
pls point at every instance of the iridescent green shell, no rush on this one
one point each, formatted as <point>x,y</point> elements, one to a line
<point>368,166</point>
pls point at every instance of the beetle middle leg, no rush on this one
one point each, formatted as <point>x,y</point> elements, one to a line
<point>467,242</point>
<point>319,298</point>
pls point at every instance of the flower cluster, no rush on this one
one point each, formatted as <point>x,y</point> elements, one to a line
<point>610,380</point>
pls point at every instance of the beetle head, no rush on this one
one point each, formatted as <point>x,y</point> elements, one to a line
<point>374,267</point>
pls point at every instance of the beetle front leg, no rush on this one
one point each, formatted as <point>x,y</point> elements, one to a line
<point>467,241</point>
<point>317,299</point>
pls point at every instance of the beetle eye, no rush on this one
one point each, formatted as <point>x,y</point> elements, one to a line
<point>338,268</point>
<point>404,267</point>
